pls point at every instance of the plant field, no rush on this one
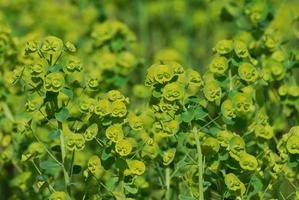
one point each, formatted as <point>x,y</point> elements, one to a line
<point>149,100</point>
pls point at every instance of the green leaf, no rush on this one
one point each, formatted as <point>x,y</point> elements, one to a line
<point>55,68</point>
<point>54,134</point>
<point>187,116</point>
<point>48,164</point>
<point>106,153</point>
<point>68,92</point>
<point>121,164</point>
<point>199,113</point>
<point>111,183</point>
<point>62,115</point>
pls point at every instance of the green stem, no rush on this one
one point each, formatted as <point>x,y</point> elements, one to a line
<point>167,183</point>
<point>62,147</point>
<point>200,166</point>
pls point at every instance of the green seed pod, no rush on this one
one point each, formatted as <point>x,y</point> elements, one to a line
<point>114,132</point>
<point>173,91</point>
<point>168,156</point>
<point>212,91</point>
<point>224,47</point>
<point>219,65</point>
<point>248,162</point>
<point>75,142</point>
<point>91,132</point>
<point>247,72</point>
<point>227,109</point>
<point>136,167</point>
<point>234,184</point>
<point>123,147</point>
<point>54,82</point>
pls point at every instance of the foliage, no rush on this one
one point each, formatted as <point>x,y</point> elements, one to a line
<point>95,108</point>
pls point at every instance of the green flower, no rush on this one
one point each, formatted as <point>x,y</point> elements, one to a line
<point>136,167</point>
<point>73,64</point>
<point>94,164</point>
<point>123,147</point>
<point>114,132</point>
<point>264,131</point>
<point>212,91</point>
<point>118,109</point>
<point>224,137</point>
<point>240,48</point>
<point>75,142</point>
<point>135,122</point>
<point>242,103</point>
<point>91,132</point>
<point>103,108</point>
<point>36,70</point>
<point>168,156</point>
<point>293,144</point>
<point>58,195</point>
<point>224,47</point>
<point>247,72</point>
<point>54,82</point>
<point>173,91</point>
<point>210,145</point>
<point>115,95</point>
<point>236,147</point>
<point>219,65</point>
<point>51,45</point>
<point>234,184</point>
<point>228,109</point>
<point>247,161</point>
